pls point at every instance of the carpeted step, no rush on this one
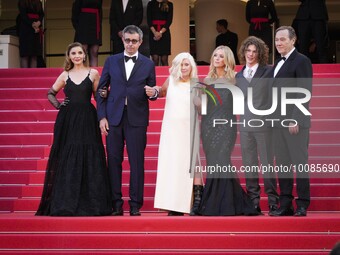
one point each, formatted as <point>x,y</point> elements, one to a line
<point>316,137</point>
<point>42,151</point>
<point>155,114</point>
<point>32,91</point>
<point>47,126</point>
<point>154,126</point>
<point>50,115</point>
<point>150,163</point>
<point>44,104</point>
<point>166,241</point>
<point>324,204</point>
<point>315,223</point>
<point>35,190</point>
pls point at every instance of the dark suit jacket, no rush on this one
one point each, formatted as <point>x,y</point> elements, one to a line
<point>229,39</point>
<point>114,76</point>
<point>261,96</point>
<point>118,19</point>
<point>295,72</point>
<point>312,9</point>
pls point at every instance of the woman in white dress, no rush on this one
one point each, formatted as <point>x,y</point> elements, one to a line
<point>177,185</point>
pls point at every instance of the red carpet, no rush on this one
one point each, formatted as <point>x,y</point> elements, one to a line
<point>26,126</point>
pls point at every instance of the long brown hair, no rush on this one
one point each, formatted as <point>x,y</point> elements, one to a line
<point>68,64</point>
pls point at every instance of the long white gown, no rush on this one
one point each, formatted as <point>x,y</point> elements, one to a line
<point>174,183</point>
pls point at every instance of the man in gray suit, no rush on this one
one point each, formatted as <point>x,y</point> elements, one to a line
<point>256,138</point>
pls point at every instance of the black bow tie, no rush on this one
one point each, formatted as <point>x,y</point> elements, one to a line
<point>127,58</point>
<point>282,58</point>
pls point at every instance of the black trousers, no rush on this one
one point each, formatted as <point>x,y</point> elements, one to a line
<point>313,29</point>
<point>135,138</point>
<point>292,150</point>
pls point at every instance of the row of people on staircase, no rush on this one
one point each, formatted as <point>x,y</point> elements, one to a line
<point>310,23</point>
<point>87,18</point>
<point>77,181</point>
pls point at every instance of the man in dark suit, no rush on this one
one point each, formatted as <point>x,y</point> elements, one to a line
<point>226,37</point>
<point>124,116</point>
<point>123,13</point>
<point>292,70</point>
<point>256,140</point>
<point>311,23</point>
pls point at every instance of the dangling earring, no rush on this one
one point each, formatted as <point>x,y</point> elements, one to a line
<point>84,59</point>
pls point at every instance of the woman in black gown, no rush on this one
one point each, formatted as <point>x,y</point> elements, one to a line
<point>76,180</point>
<point>223,194</point>
<point>159,17</point>
<point>87,18</point>
<point>29,26</point>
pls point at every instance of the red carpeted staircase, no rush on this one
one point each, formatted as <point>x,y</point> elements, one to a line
<point>26,126</point>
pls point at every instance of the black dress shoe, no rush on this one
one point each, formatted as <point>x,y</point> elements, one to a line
<point>118,212</point>
<point>173,213</point>
<point>272,208</point>
<point>300,211</point>
<point>134,212</point>
<point>283,211</point>
<point>258,209</point>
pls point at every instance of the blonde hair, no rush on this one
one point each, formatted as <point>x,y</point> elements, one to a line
<point>229,62</point>
<point>175,69</point>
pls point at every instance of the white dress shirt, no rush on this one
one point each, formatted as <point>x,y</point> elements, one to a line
<point>128,68</point>
<point>282,61</point>
<point>125,2</point>
<point>249,72</point>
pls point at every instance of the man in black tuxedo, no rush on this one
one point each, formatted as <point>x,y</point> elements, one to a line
<point>311,23</point>
<point>124,116</point>
<point>226,37</point>
<point>256,141</point>
<point>123,13</point>
<point>292,70</point>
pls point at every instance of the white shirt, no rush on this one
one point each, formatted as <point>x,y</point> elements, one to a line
<point>125,2</point>
<point>128,68</point>
<point>246,71</point>
<point>281,62</point>
<point>129,65</point>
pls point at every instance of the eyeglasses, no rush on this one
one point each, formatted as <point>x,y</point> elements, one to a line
<point>127,41</point>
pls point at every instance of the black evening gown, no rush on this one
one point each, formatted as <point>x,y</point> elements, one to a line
<point>76,180</point>
<point>223,194</point>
